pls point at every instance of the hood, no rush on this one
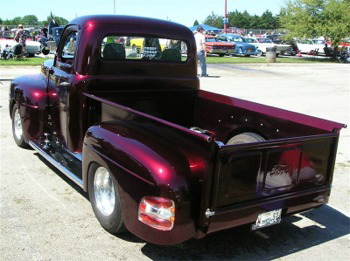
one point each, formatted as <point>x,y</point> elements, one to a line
<point>219,44</point>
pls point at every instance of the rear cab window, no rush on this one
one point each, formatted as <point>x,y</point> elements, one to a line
<point>143,48</point>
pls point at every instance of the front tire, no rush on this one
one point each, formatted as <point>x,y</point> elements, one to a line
<point>17,128</point>
<point>104,199</point>
<point>260,53</point>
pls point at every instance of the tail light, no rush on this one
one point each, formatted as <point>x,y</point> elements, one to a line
<point>157,212</point>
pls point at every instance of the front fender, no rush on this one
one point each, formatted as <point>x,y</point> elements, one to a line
<point>144,165</point>
<point>29,93</point>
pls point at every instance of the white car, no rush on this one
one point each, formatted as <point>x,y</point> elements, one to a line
<point>309,46</point>
<point>263,43</point>
<point>32,47</point>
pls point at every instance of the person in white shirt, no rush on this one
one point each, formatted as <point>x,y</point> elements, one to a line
<point>201,53</point>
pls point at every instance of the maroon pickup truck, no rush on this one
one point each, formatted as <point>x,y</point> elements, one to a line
<point>158,156</point>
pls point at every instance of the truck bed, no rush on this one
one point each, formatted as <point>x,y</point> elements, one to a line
<point>296,158</point>
<point>222,116</point>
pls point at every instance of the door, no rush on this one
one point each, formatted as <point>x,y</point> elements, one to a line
<point>61,88</point>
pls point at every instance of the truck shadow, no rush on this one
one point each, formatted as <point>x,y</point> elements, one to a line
<point>294,234</point>
<point>62,176</point>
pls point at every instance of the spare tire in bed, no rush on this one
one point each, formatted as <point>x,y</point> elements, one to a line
<point>245,137</point>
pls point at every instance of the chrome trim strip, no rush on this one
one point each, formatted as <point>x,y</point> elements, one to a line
<point>63,169</point>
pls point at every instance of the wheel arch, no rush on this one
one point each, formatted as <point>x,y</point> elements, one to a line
<point>134,181</point>
<point>30,94</point>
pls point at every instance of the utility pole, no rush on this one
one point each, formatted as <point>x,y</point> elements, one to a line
<point>225,19</point>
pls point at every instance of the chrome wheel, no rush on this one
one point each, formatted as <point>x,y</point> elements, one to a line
<point>17,125</point>
<point>104,191</point>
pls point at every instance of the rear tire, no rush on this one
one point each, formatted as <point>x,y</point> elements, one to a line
<point>221,55</point>
<point>17,128</point>
<point>104,199</point>
<point>245,137</point>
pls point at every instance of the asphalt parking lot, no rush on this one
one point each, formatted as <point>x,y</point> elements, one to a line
<point>44,216</point>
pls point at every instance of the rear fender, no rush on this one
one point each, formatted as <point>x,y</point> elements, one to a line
<point>143,166</point>
<point>29,93</point>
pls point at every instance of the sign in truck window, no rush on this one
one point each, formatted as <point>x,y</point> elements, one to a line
<point>143,48</point>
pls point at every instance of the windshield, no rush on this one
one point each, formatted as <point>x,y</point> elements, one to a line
<point>238,39</point>
<point>306,42</point>
<point>250,40</point>
<point>126,47</point>
<point>318,41</point>
<point>212,39</point>
<point>264,40</point>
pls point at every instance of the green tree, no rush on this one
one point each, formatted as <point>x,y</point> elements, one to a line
<point>254,22</point>
<point>195,23</point>
<point>267,20</point>
<point>214,20</point>
<point>30,20</point>
<point>60,20</point>
<point>242,20</point>
<point>314,18</point>
<point>16,21</point>
<point>0,21</point>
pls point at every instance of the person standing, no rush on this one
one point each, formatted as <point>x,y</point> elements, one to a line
<point>201,53</point>
<point>251,34</point>
<point>21,38</point>
<point>44,31</point>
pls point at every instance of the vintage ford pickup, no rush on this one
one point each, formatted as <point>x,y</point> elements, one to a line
<point>158,156</point>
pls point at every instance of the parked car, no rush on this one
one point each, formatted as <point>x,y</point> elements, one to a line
<point>214,46</point>
<point>137,43</point>
<point>242,47</point>
<point>32,47</point>
<point>56,34</point>
<point>263,43</point>
<point>276,38</point>
<point>345,43</point>
<point>158,156</point>
<point>53,39</point>
<point>310,46</point>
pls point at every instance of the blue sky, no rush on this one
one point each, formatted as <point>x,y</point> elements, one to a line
<point>180,11</point>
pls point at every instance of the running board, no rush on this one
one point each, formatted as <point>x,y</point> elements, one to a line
<point>57,165</point>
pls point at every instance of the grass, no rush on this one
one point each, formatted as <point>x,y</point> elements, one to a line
<point>210,60</point>
<point>23,61</point>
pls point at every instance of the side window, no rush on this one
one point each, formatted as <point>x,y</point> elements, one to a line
<point>70,46</point>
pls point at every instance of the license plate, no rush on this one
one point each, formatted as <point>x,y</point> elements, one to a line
<point>249,51</point>
<point>267,219</point>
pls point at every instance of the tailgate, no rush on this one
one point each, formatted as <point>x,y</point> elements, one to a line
<point>262,172</point>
